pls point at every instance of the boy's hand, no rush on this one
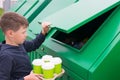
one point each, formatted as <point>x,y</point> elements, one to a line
<point>32,76</point>
<point>45,27</point>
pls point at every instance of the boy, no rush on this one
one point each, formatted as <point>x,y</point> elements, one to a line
<point>14,61</point>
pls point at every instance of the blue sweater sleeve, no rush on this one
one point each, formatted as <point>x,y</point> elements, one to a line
<point>35,43</point>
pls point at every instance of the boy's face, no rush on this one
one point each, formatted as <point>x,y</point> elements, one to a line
<point>20,35</point>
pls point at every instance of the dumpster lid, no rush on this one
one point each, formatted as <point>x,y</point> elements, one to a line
<point>79,13</point>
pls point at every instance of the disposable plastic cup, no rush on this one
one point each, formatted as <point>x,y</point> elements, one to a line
<point>48,70</point>
<point>37,63</point>
<point>58,64</point>
<point>47,58</point>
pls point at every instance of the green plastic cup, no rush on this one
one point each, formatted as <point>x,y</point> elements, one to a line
<point>58,68</point>
<point>47,58</point>
<point>58,64</point>
<point>37,63</point>
<point>48,70</point>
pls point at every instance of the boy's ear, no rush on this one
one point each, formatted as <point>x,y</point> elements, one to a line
<point>10,33</point>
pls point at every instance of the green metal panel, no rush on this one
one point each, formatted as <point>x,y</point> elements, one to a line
<point>85,58</point>
<point>18,5</point>
<point>69,75</point>
<point>99,58</point>
<point>80,13</point>
<point>37,9</point>
<point>51,8</point>
<point>35,28</point>
<point>54,6</point>
<point>27,7</point>
<point>34,55</point>
<point>108,64</point>
<point>1,35</point>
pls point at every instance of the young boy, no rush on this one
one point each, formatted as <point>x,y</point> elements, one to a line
<point>14,61</point>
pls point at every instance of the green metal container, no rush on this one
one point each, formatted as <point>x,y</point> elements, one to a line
<point>41,4</point>
<point>29,8</point>
<point>52,7</point>
<point>84,34</point>
<point>35,27</point>
<point>24,9</point>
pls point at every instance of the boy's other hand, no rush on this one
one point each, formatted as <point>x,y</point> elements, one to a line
<point>32,76</point>
<point>45,27</point>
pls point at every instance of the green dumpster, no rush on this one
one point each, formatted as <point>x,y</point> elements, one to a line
<point>29,8</point>
<point>24,9</point>
<point>52,7</point>
<point>85,34</point>
<point>1,35</point>
<point>87,39</point>
<point>35,28</point>
<point>37,9</point>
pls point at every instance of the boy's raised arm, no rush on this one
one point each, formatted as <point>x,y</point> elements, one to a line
<point>35,43</point>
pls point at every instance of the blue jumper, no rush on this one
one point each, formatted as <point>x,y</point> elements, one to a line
<point>14,61</point>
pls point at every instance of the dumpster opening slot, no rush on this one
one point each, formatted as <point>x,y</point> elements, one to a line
<point>79,37</point>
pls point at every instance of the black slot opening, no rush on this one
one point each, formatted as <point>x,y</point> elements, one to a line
<point>80,36</point>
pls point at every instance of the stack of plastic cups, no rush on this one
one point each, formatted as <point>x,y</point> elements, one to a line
<point>48,66</point>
